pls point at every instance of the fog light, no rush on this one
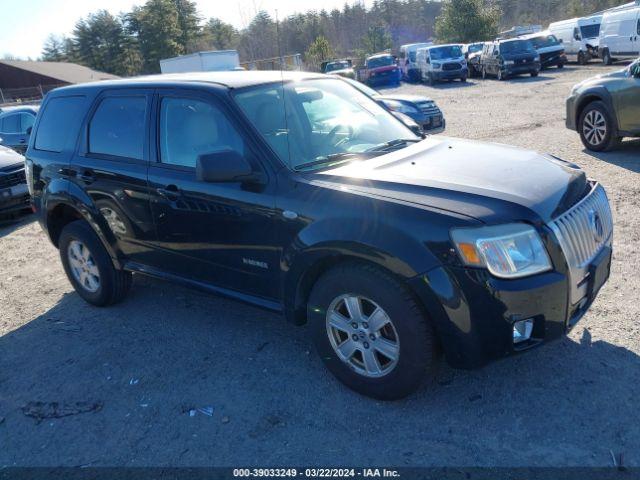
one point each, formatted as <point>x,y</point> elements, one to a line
<point>522,330</point>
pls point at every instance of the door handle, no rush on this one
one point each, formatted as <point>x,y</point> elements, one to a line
<point>87,176</point>
<point>170,192</point>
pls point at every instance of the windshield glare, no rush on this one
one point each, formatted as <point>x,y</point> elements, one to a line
<point>476,47</point>
<point>332,67</point>
<point>545,41</point>
<point>450,51</point>
<point>517,46</point>
<point>310,120</point>
<point>380,61</point>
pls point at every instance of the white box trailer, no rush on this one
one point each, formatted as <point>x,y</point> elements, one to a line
<point>212,61</point>
<point>579,37</point>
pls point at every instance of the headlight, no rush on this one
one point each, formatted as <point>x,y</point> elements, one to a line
<point>509,62</point>
<point>536,58</point>
<point>507,251</point>
<point>401,107</point>
<point>436,65</point>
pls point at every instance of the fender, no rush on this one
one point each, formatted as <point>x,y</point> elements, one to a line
<point>601,93</point>
<point>63,192</point>
<point>325,243</point>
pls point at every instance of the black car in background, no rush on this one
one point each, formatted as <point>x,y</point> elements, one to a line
<point>549,48</point>
<point>299,194</point>
<point>14,195</point>
<point>506,58</point>
<point>422,110</point>
<point>15,126</point>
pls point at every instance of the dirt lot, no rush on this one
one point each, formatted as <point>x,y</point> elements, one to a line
<point>130,375</point>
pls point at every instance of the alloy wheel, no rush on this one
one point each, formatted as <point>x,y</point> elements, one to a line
<point>83,266</point>
<point>594,127</point>
<point>363,335</point>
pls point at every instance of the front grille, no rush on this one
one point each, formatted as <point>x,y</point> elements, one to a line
<point>12,179</point>
<point>582,232</point>
<point>429,108</point>
<point>452,66</point>
<point>523,61</point>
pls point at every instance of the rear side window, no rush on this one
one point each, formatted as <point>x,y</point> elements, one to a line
<point>26,121</point>
<point>118,127</point>
<point>60,120</point>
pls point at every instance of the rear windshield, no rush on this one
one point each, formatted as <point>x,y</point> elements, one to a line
<point>380,61</point>
<point>545,41</point>
<point>517,46</point>
<point>450,51</point>
<point>590,31</point>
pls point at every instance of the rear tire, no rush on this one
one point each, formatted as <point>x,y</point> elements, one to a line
<point>582,58</point>
<point>606,57</point>
<point>596,128</point>
<point>89,267</point>
<point>346,350</point>
<point>535,73</point>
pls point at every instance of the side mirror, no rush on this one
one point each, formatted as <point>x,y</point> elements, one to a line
<point>29,130</point>
<point>577,37</point>
<point>223,166</point>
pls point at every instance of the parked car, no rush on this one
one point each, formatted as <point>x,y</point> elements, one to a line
<point>15,127</point>
<point>380,69</point>
<point>606,108</point>
<point>392,248</point>
<point>14,195</point>
<point>422,110</point>
<point>579,37</point>
<point>505,58</point>
<point>549,49</point>
<point>344,68</point>
<point>472,53</point>
<point>409,67</point>
<point>620,34</point>
<point>442,62</point>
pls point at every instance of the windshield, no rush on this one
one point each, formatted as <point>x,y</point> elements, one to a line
<point>475,47</point>
<point>545,41</point>
<point>376,62</point>
<point>590,31</point>
<point>332,67</point>
<point>517,46</point>
<point>320,119</point>
<point>450,51</point>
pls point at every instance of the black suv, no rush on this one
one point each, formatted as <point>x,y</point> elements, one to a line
<point>506,58</point>
<point>300,194</point>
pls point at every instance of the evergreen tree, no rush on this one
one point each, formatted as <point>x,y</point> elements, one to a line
<point>467,21</point>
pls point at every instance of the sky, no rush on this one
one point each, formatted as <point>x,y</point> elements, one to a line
<point>25,24</point>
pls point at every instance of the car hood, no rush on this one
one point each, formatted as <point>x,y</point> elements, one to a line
<point>406,98</point>
<point>598,79</point>
<point>9,158</point>
<point>383,69</point>
<point>485,181</point>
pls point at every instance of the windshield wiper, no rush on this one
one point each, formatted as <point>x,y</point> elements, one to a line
<point>334,158</point>
<point>399,142</point>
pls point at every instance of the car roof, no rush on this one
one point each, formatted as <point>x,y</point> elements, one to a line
<point>443,45</point>
<point>228,79</point>
<point>544,33</point>
<point>379,55</point>
<point>21,108</point>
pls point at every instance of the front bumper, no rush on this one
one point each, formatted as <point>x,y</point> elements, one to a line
<point>474,312</point>
<point>571,121</point>
<point>450,74</point>
<point>14,199</point>
<point>521,69</point>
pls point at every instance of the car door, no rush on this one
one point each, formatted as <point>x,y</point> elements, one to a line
<point>218,233</point>
<point>627,100</point>
<point>110,167</point>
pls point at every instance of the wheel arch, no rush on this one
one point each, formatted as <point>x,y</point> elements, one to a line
<point>596,95</point>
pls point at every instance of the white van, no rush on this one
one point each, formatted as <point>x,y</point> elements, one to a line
<point>407,60</point>
<point>620,33</point>
<point>442,62</point>
<point>579,37</point>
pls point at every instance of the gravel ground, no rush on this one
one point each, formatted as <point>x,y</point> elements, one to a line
<point>127,376</point>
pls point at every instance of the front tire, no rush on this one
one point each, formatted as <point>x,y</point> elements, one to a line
<point>535,73</point>
<point>596,128</point>
<point>582,58</point>
<point>606,57</point>
<point>89,267</point>
<point>370,331</point>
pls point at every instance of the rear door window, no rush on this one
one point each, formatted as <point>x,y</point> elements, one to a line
<point>60,121</point>
<point>26,120</point>
<point>117,128</point>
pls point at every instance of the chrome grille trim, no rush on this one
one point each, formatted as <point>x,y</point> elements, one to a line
<point>580,243</point>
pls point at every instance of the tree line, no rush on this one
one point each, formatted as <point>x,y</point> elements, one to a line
<point>134,42</point>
